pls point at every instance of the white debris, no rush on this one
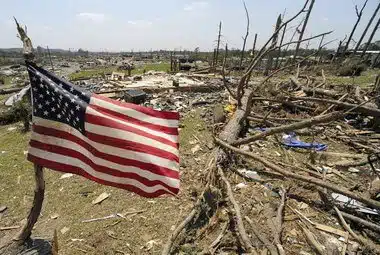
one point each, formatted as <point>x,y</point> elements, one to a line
<point>196,148</point>
<point>64,230</point>
<point>65,176</point>
<point>101,198</point>
<point>241,186</point>
<point>353,170</point>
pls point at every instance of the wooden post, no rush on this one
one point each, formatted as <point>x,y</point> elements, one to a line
<point>39,192</point>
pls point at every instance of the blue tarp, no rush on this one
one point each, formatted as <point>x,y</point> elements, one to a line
<point>291,140</point>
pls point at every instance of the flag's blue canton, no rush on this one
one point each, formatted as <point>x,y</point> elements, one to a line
<point>57,100</point>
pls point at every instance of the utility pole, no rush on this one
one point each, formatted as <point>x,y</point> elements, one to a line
<point>367,27</point>
<point>218,44</point>
<point>359,15</point>
<point>370,38</point>
<point>303,29</point>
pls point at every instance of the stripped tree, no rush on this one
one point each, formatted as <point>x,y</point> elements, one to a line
<point>366,28</point>
<point>274,43</point>
<point>245,37</point>
<point>370,38</point>
<point>359,16</point>
<point>303,28</point>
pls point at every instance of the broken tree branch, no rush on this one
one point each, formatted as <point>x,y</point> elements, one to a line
<point>361,240</point>
<point>245,37</point>
<point>279,221</point>
<point>239,221</point>
<point>361,109</point>
<point>262,237</point>
<point>299,125</point>
<point>308,179</point>
<point>255,61</point>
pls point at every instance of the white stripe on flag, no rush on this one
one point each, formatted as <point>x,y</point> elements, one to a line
<point>128,136</point>
<point>134,114</point>
<point>172,138</point>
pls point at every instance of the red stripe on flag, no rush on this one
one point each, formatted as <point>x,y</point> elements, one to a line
<point>76,170</point>
<point>97,120</point>
<point>142,109</point>
<point>129,145</point>
<point>96,167</point>
<point>123,117</point>
<point>119,160</point>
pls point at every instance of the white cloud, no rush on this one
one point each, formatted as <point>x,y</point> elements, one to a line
<point>325,19</point>
<point>195,6</point>
<point>94,17</point>
<point>140,23</point>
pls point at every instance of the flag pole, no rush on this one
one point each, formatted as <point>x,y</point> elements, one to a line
<point>39,192</point>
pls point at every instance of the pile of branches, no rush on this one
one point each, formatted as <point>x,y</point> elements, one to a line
<point>319,105</point>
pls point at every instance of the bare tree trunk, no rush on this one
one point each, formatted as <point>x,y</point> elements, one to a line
<point>319,49</point>
<point>366,29</point>
<point>279,49</point>
<point>274,42</point>
<point>51,62</point>
<point>244,38</point>
<point>218,45</point>
<point>337,52</point>
<point>370,38</point>
<point>254,46</point>
<point>214,59</point>
<point>359,15</point>
<point>303,29</point>
<point>171,61</point>
<point>37,205</point>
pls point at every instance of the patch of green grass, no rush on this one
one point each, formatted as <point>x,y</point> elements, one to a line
<point>163,66</point>
<point>364,80</point>
<point>193,127</point>
<point>86,74</point>
<point>89,73</point>
<point>6,79</point>
<point>16,173</point>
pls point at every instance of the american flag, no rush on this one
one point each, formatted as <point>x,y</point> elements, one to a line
<point>113,143</point>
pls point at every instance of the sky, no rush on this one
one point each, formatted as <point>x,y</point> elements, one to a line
<point>125,25</point>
